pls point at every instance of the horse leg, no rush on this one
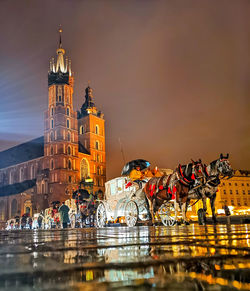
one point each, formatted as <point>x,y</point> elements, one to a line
<point>204,199</point>
<point>212,200</point>
<point>183,210</point>
<point>176,211</point>
<point>151,211</point>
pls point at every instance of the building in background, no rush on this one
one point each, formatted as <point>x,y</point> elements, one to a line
<point>233,192</point>
<point>72,150</point>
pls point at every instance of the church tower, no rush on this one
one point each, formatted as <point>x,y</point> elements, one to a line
<point>91,130</point>
<point>61,132</point>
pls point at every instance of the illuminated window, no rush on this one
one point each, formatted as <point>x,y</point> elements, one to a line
<point>81,129</point>
<point>97,145</point>
<point>97,129</point>
<point>51,164</point>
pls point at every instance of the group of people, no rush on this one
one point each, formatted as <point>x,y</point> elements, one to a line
<point>138,176</point>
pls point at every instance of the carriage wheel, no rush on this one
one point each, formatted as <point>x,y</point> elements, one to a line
<point>131,213</point>
<point>167,220</point>
<point>166,213</point>
<point>101,215</point>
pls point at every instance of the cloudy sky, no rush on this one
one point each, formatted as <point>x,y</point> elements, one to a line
<point>172,77</point>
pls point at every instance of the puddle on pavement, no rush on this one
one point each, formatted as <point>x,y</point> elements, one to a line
<point>140,258</point>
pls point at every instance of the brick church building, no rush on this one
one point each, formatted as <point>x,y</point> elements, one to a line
<point>50,168</point>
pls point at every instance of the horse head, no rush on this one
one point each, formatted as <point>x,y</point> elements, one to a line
<point>223,166</point>
<point>197,171</point>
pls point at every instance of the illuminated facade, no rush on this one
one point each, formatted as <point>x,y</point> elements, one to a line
<point>50,168</point>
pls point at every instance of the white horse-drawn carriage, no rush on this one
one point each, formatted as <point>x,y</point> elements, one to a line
<point>128,205</point>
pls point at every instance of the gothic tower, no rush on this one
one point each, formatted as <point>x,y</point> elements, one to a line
<point>92,136</point>
<point>61,135</point>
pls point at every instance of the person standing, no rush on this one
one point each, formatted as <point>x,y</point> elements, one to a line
<point>64,213</point>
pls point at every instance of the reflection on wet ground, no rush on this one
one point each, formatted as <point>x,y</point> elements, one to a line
<point>140,258</point>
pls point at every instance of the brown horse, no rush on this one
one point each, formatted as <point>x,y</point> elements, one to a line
<point>173,187</point>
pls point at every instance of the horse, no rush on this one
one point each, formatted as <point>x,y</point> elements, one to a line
<point>212,173</point>
<point>174,186</point>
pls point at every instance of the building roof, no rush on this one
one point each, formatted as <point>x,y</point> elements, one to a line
<point>82,149</point>
<point>17,187</point>
<point>22,153</point>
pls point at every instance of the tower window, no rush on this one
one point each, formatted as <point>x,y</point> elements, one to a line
<point>81,129</point>
<point>70,179</point>
<point>68,136</point>
<point>97,145</point>
<point>51,151</point>
<point>51,136</point>
<point>97,129</point>
<point>60,98</point>
<point>67,123</point>
<point>52,164</point>
<point>69,165</point>
<point>69,150</point>
<point>52,123</point>
<point>67,111</point>
<point>52,111</point>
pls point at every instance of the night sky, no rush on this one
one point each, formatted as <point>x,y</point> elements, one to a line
<point>171,77</point>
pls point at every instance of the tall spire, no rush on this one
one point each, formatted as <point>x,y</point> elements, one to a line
<point>60,68</point>
<point>60,36</point>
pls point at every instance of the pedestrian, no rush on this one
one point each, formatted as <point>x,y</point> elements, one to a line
<point>64,213</point>
<point>40,220</point>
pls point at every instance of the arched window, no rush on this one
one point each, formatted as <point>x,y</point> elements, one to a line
<point>43,188</point>
<point>52,123</point>
<point>69,164</point>
<point>67,111</point>
<point>52,164</point>
<point>69,136</point>
<point>32,172</point>
<point>2,212</point>
<point>97,158</point>
<point>69,150</point>
<point>84,169</point>
<point>98,171</point>
<point>97,144</point>
<point>21,175</point>
<point>11,178</point>
<point>52,111</point>
<point>51,150</point>
<point>81,129</point>
<point>67,123</point>
<point>13,207</point>
<point>97,129</point>
<point>51,136</point>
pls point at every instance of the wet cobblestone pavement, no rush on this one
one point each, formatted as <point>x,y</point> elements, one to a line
<point>119,258</point>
